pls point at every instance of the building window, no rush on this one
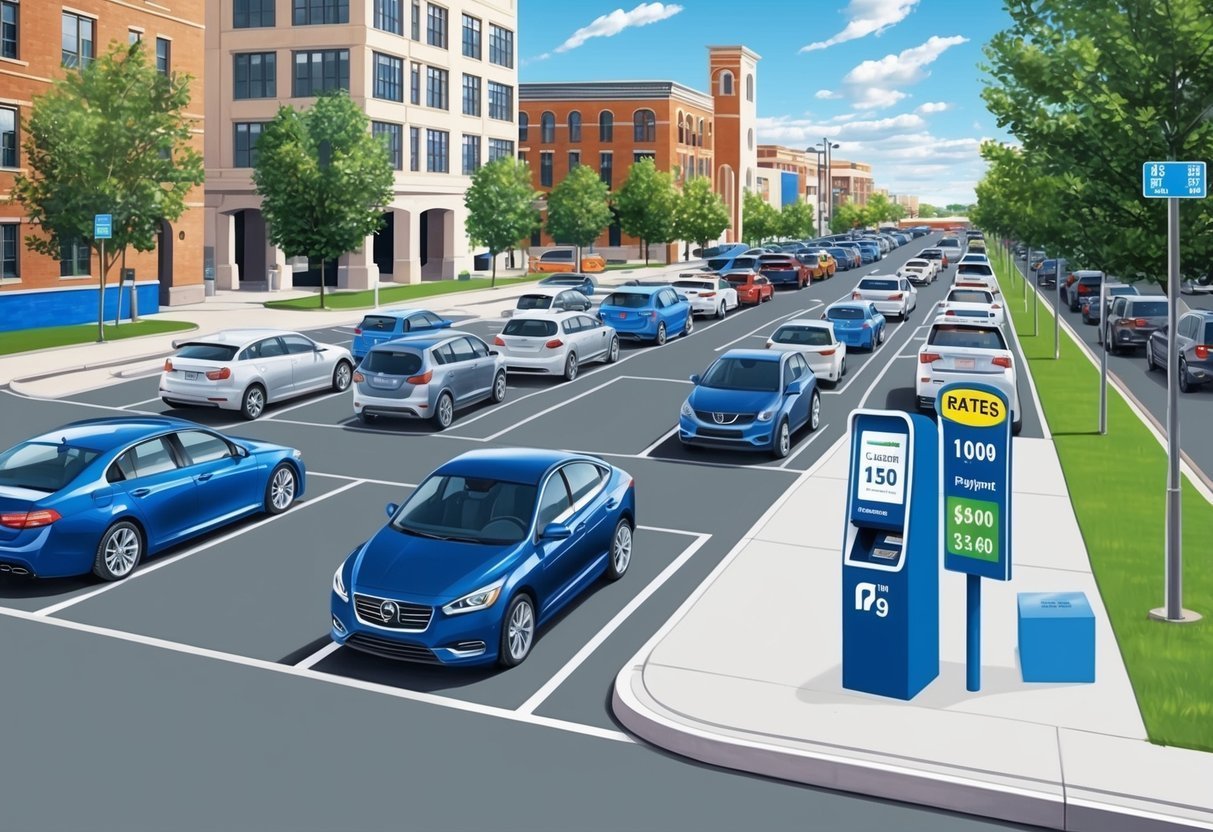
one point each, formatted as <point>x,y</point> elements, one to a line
<point>606,126</point>
<point>523,156</point>
<point>392,136</point>
<point>389,77</point>
<point>726,83</point>
<point>644,126</point>
<point>316,12</point>
<point>471,155</point>
<point>643,154</point>
<point>682,135</point>
<point>415,84</point>
<point>414,148</point>
<point>575,126</point>
<point>701,132</point>
<point>501,101</point>
<point>387,16</point>
<point>606,162</point>
<point>749,87</point>
<point>574,158</point>
<point>134,36</point>
<point>247,133</point>
<point>163,53</point>
<point>545,169</point>
<point>77,40</point>
<point>437,159</point>
<point>524,126</point>
<point>471,37</point>
<point>415,20</point>
<point>435,26</point>
<point>75,259</point>
<point>471,95</point>
<point>500,148</point>
<point>256,75</point>
<point>436,94</point>
<point>501,46</point>
<point>8,138</point>
<point>321,71</point>
<point>547,128</point>
<point>750,139</point>
<point>8,29</point>
<point>9,267</point>
<point>253,14</point>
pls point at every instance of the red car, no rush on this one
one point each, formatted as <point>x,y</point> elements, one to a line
<point>752,288</point>
<point>785,269</point>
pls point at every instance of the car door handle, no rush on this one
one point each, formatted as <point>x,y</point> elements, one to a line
<point>141,492</point>
<point>203,477</point>
<point>612,503</point>
<point>580,527</point>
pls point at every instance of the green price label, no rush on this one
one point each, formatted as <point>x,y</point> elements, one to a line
<point>971,528</point>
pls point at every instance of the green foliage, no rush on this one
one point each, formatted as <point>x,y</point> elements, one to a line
<point>848,215</point>
<point>646,204</point>
<point>500,206</point>
<point>702,214</point>
<point>796,221</point>
<point>878,210</point>
<point>927,210</point>
<point>578,209</point>
<point>759,219</point>
<point>322,210</point>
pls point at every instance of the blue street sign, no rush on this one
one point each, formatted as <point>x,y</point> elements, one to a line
<point>103,226</point>
<point>1173,180</point>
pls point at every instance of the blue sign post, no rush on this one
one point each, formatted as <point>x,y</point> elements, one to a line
<point>103,226</point>
<point>1173,180</point>
<point>103,229</point>
<point>975,496</point>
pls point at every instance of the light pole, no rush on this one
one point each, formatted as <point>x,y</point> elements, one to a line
<point>829,175</point>
<point>820,152</point>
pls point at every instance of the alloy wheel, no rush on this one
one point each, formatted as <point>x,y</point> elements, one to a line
<point>122,551</point>
<point>282,488</point>
<point>446,410</point>
<point>254,402</point>
<point>521,631</point>
<point>621,550</point>
<point>342,378</point>
<point>815,411</point>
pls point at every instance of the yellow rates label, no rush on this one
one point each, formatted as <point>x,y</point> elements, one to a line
<point>974,408</point>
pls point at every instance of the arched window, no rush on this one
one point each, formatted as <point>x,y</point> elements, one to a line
<point>682,131</point>
<point>524,126</point>
<point>547,128</point>
<point>726,83</point>
<point>691,131</point>
<point>749,87</point>
<point>575,126</point>
<point>644,126</point>
<point>606,126</point>
<point>701,144</point>
<point>750,139</point>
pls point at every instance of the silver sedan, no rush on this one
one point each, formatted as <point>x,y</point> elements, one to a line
<point>246,369</point>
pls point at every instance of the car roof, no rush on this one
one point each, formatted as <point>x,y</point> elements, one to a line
<point>421,341</point>
<point>816,323</point>
<point>755,355</point>
<point>236,337</point>
<point>106,433</point>
<point>861,305</point>
<point>545,315</point>
<point>521,465</point>
<point>546,291</point>
<point>569,276</point>
<point>879,277</point>
<point>940,320</point>
<point>1086,272</point>
<point>1155,297</point>
<point>639,290</point>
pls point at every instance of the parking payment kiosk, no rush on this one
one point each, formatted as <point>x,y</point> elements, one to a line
<point>890,572</point>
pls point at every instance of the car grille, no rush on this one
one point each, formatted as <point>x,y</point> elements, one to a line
<point>725,418</point>
<point>391,649</point>
<point>411,617</point>
<point>719,433</point>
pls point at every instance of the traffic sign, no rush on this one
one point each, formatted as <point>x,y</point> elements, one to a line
<point>1173,180</point>
<point>103,226</point>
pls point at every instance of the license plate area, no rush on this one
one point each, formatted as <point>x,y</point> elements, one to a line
<point>966,363</point>
<point>191,376</point>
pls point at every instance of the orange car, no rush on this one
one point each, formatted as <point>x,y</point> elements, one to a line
<point>561,260</point>
<point>828,262</point>
<point>752,288</point>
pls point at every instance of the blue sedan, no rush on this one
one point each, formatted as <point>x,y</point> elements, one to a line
<point>389,324</point>
<point>647,313</point>
<point>857,323</point>
<point>489,548</point>
<point>100,495</point>
<point>751,400</point>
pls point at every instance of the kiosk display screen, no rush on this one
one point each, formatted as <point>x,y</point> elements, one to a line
<point>882,473</point>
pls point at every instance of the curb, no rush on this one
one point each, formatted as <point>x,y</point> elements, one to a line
<point>101,365</point>
<point>188,329</point>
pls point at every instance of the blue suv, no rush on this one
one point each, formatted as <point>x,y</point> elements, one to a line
<point>647,313</point>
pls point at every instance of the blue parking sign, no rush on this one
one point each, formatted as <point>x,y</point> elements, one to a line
<point>103,226</point>
<point>1173,180</point>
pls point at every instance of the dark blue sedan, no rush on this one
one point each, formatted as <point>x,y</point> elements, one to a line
<point>102,494</point>
<point>857,323</point>
<point>490,547</point>
<point>565,280</point>
<point>751,400</point>
<point>389,324</point>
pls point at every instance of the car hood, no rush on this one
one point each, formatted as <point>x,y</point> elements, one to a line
<point>715,400</point>
<point>255,446</point>
<point>406,565</point>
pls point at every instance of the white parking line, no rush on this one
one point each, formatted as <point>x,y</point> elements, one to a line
<point>319,656</point>
<point>202,547</point>
<point>660,440</point>
<point>354,426</point>
<point>367,480</point>
<point>804,445</point>
<point>137,404</point>
<point>278,411</point>
<point>528,707</point>
<point>671,461</point>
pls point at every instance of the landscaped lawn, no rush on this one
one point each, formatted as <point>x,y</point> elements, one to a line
<point>391,294</point>
<point>25,340</point>
<point>1117,484</point>
<point>614,267</point>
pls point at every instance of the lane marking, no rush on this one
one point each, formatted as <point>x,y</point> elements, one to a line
<point>319,656</point>
<point>357,427</point>
<point>136,404</point>
<point>659,441</point>
<point>888,366</point>
<point>804,446</point>
<point>273,416</point>
<point>367,480</point>
<point>143,571</point>
<point>749,334</point>
<point>558,678</point>
<point>673,461</point>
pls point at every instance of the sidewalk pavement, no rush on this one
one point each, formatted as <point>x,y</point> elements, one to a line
<point>747,675</point>
<point>62,371</point>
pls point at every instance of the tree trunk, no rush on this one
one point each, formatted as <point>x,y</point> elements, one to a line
<point>322,282</point>
<point>493,281</point>
<point>577,265</point>
<point>645,243</point>
<point>101,295</point>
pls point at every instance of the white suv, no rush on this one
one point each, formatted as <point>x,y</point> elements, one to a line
<point>708,293</point>
<point>959,350</point>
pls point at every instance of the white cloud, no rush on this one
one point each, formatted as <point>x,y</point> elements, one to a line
<point>609,25</point>
<point>827,94</point>
<point>978,126</point>
<point>797,132</point>
<point>866,17</point>
<point>874,85</point>
<point>934,107</point>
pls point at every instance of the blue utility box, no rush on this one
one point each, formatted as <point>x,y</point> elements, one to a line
<point>890,572</point>
<point>1056,637</point>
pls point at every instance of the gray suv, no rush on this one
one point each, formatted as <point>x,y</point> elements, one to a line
<point>1132,319</point>
<point>1194,339</point>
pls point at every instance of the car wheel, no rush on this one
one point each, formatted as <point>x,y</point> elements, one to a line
<point>1110,342</point>
<point>842,370</point>
<point>281,489</point>
<point>720,310</point>
<point>815,411</point>
<point>253,403</point>
<point>367,418</point>
<point>570,367</point>
<point>781,444</point>
<point>341,376</point>
<point>517,631</point>
<point>660,339</point>
<point>690,325</point>
<point>1150,365</point>
<point>499,387</point>
<point>170,404</point>
<point>119,551</point>
<point>880,336</point>
<point>1016,427</point>
<point>1185,386</point>
<point>613,350</point>
<point>621,550</point>
<point>444,411</point>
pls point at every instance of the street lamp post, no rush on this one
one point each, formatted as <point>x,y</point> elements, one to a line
<point>818,210</point>
<point>829,174</point>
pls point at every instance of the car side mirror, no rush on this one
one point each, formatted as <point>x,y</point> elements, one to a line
<point>494,352</point>
<point>792,389</point>
<point>392,509</point>
<point>241,451</point>
<point>556,531</point>
<point>695,378</point>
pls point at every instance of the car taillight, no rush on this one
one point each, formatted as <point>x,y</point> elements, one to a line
<point>950,312</point>
<point>996,306</point>
<point>897,296</point>
<point>856,296</point>
<point>497,342</point>
<point>866,324</point>
<point>826,352</point>
<point>424,378</point>
<point>359,378</point>
<point>928,357</point>
<point>1083,288</point>
<point>220,375</point>
<point>357,330</point>
<point>1202,351</point>
<point>168,365</point>
<point>707,294</point>
<point>1002,361</point>
<point>554,344</point>
<point>28,519</point>
<point>1142,322</point>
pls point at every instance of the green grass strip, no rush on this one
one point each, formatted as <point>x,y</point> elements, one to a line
<point>1117,484</point>
<point>44,338</point>
<point>391,294</point>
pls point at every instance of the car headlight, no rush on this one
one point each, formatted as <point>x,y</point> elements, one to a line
<point>766,415</point>
<point>687,410</point>
<point>481,599</point>
<point>339,584</point>
<point>296,453</point>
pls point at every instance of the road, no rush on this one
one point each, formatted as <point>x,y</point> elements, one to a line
<point>203,692</point>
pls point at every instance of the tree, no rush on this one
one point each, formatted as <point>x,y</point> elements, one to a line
<point>796,221</point>
<point>578,208</point>
<point>877,210</point>
<point>646,203</point>
<point>500,206</point>
<point>759,219</point>
<point>926,210</point>
<point>956,209</point>
<point>848,215</point>
<point>113,139</point>
<point>324,180</point>
<point>702,214</point>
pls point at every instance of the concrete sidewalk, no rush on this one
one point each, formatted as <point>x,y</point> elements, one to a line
<point>747,675</point>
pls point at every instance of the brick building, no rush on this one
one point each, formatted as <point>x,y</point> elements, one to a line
<point>40,40</point>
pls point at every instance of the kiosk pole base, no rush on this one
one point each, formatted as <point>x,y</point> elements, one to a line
<point>973,634</point>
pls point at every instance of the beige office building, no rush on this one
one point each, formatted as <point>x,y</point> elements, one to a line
<point>438,81</point>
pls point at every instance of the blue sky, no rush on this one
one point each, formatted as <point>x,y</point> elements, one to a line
<point>895,82</point>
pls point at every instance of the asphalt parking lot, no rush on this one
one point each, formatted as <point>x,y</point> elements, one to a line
<point>231,630</point>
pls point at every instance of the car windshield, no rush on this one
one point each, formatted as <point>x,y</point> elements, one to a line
<point>1149,308</point>
<point>43,466</point>
<point>808,259</point>
<point>917,264</point>
<point>1208,332</point>
<point>743,374</point>
<point>391,362</point>
<point>932,254</point>
<point>869,283</point>
<point>534,302</point>
<point>557,255</point>
<point>563,281</point>
<point>529,328</point>
<point>698,285</point>
<point>970,337</point>
<point>207,352</point>
<point>949,242</point>
<point>808,336</point>
<point>377,323</point>
<point>970,296</point>
<point>628,300</point>
<point>468,510</point>
<point>718,263</point>
<point>1122,290</point>
<point>737,279</point>
<point>844,313</point>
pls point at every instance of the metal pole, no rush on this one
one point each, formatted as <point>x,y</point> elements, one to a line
<point>1057,310</point>
<point>973,633</point>
<point>1103,361</point>
<point>101,297</point>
